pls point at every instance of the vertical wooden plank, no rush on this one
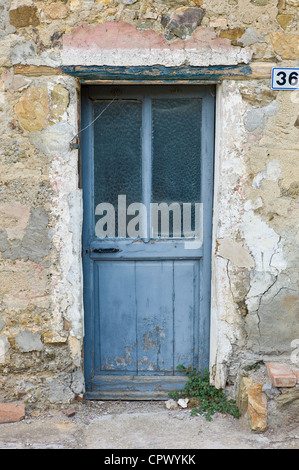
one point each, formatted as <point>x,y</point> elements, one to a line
<point>186,304</point>
<point>154,291</point>
<point>208,136</point>
<point>116,338</point>
<point>88,279</point>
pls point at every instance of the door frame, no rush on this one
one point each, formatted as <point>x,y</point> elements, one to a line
<point>205,301</point>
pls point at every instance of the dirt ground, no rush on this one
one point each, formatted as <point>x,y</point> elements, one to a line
<point>137,425</point>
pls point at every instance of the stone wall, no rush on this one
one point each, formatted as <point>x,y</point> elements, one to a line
<point>255,257</point>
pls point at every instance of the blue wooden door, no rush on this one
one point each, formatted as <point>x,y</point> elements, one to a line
<point>147,173</point>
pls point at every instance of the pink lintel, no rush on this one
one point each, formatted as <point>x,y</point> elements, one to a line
<point>124,36</point>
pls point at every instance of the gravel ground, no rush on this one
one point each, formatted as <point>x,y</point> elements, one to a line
<point>137,425</point>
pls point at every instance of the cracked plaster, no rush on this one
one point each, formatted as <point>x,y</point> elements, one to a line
<point>264,287</point>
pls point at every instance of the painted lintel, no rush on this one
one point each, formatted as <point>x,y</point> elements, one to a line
<point>158,74</point>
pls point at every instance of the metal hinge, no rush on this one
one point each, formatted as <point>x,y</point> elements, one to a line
<point>75,144</point>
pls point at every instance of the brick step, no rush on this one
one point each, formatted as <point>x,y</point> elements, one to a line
<point>11,412</point>
<point>283,375</point>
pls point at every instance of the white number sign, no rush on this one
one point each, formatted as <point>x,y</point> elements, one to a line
<point>285,78</point>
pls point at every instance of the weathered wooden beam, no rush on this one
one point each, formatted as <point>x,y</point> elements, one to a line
<point>116,387</point>
<point>158,74</point>
<point>36,71</point>
<point>153,74</point>
<point>262,69</point>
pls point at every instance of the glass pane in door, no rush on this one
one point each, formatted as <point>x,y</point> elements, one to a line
<point>176,160</point>
<point>117,157</point>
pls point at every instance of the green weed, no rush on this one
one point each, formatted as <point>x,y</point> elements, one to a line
<point>204,398</point>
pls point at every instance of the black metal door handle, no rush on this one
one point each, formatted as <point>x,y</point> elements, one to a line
<point>105,250</point>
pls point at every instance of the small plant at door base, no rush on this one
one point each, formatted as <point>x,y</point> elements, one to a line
<point>203,397</point>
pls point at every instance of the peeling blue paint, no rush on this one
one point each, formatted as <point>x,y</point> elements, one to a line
<point>158,73</point>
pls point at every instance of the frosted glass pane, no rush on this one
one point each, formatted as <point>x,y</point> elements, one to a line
<point>117,153</point>
<point>176,158</point>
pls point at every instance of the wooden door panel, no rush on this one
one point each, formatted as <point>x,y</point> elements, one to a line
<point>115,310</point>
<point>145,316</point>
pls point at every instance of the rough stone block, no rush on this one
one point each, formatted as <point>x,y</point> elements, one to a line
<point>11,412</point>
<point>219,23</point>
<point>232,33</point>
<point>289,398</point>
<point>33,109</point>
<point>56,11</point>
<point>24,16</point>
<point>284,20</point>
<point>253,403</point>
<point>183,402</point>
<point>281,4</point>
<point>259,3</point>
<point>281,375</point>
<point>171,404</point>
<point>14,219</point>
<point>70,412</point>
<point>60,101</point>
<point>13,82</point>
<point>257,407</point>
<point>183,22</point>
<point>296,372</point>
<point>286,45</point>
<point>27,341</point>
<point>4,347</point>
<point>51,337</point>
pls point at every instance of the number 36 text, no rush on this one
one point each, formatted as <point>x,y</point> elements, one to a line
<point>285,78</point>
